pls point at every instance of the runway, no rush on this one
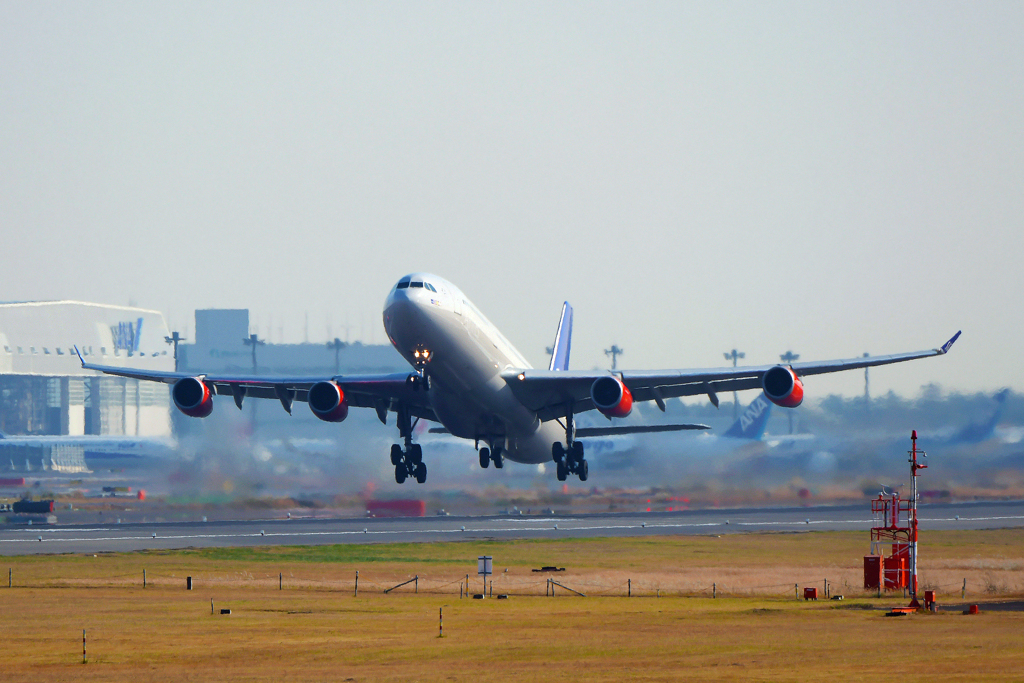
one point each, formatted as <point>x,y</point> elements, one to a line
<point>39,540</point>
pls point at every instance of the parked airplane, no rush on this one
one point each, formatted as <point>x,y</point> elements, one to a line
<point>471,379</point>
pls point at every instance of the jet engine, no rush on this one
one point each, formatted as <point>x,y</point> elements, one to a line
<point>783,387</point>
<point>611,396</point>
<point>327,401</point>
<point>193,397</point>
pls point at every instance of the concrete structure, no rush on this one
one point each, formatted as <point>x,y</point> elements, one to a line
<point>43,388</point>
<point>219,347</point>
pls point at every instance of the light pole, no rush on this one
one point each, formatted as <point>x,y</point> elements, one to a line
<point>253,341</point>
<point>734,356</point>
<point>614,352</point>
<point>173,340</point>
<point>867,392</point>
<point>790,357</point>
<point>337,345</point>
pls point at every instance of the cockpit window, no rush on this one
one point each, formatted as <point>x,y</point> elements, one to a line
<point>429,286</point>
<point>402,284</point>
<point>415,284</point>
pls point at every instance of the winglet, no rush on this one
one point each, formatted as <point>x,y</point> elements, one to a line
<point>948,345</point>
<point>563,340</point>
<point>80,355</point>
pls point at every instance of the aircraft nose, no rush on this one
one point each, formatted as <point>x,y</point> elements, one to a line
<point>401,316</point>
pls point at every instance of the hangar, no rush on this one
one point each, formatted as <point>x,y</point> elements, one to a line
<point>45,391</point>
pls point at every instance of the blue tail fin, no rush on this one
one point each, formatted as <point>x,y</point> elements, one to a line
<point>563,340</point>
<point>752,421</point>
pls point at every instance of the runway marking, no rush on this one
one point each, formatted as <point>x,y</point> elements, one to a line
<point>549,527</point>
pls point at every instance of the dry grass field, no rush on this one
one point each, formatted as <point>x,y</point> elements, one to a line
<point>315,628</point>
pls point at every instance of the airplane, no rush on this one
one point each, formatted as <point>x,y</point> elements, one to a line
<point>468,377</point>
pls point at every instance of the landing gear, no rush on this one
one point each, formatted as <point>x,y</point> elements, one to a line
<point>408,461</point>
<point>493,454</point>
<point>418,380</point>
<point>569,459</point>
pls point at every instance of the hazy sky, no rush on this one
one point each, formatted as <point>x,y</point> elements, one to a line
<point>830,178</point>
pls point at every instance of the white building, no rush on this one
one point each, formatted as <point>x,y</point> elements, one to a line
<point>43,388</point>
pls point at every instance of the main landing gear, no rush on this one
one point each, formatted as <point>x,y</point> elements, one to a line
<point>493,454</point>
<point>408,461</point>
<point>569,458</point>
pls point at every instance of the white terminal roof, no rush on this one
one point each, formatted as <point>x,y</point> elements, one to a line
<point>38,337</point>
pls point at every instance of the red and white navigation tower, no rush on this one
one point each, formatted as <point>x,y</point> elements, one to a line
<point>896,524</point>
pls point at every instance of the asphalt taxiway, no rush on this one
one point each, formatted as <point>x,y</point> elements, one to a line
<point>297,530</point>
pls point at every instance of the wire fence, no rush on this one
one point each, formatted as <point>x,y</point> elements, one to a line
<point>465,585</point>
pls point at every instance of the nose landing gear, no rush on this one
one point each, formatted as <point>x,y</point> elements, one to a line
<point>408,461</point>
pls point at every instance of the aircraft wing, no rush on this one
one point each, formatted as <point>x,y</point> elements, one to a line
<point>381,392</point>
<point>549,393</point>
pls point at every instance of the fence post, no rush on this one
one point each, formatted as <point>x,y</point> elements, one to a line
<point>629,588</point>
<point>143,578</point>
<point>714,590</point>
<point>440,622</point>
<point>356,595</point>
<point>963,591</point>
<point>796,591</point>
<point>280,581</point>
<point>211,605</point>
<point>83,646</point>
<point>417,583</point>
<point>10,573</point>
<point>460,590</point>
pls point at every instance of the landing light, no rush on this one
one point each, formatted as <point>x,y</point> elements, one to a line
<point>522,376</point>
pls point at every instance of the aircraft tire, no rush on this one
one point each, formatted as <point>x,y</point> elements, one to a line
<point>561,472</point>
<point>485,457</point>
<point>557,452</point>
<point>498,457</point>
<point>584,470</point>
<point>396,454</point>
<point>416,454</point>
<point>421,472</point>
<point>400,473</point>
<point>576,451</point>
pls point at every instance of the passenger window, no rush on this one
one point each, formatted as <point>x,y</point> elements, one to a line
<point>403,285</point>
<point>415,284</point>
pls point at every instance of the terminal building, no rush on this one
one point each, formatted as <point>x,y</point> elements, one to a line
<point>45,391</point>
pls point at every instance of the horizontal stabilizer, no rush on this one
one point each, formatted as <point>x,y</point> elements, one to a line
<point>584,432</point>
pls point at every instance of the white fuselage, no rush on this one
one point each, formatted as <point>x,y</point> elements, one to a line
<point>467,354</point>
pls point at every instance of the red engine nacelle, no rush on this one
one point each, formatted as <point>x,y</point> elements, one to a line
<point>783,387</point>
<point>611,396</point>
<point>193,397</point>
<point>327,401</point>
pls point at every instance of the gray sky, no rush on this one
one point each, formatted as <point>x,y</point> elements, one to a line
<point>830,178</point>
